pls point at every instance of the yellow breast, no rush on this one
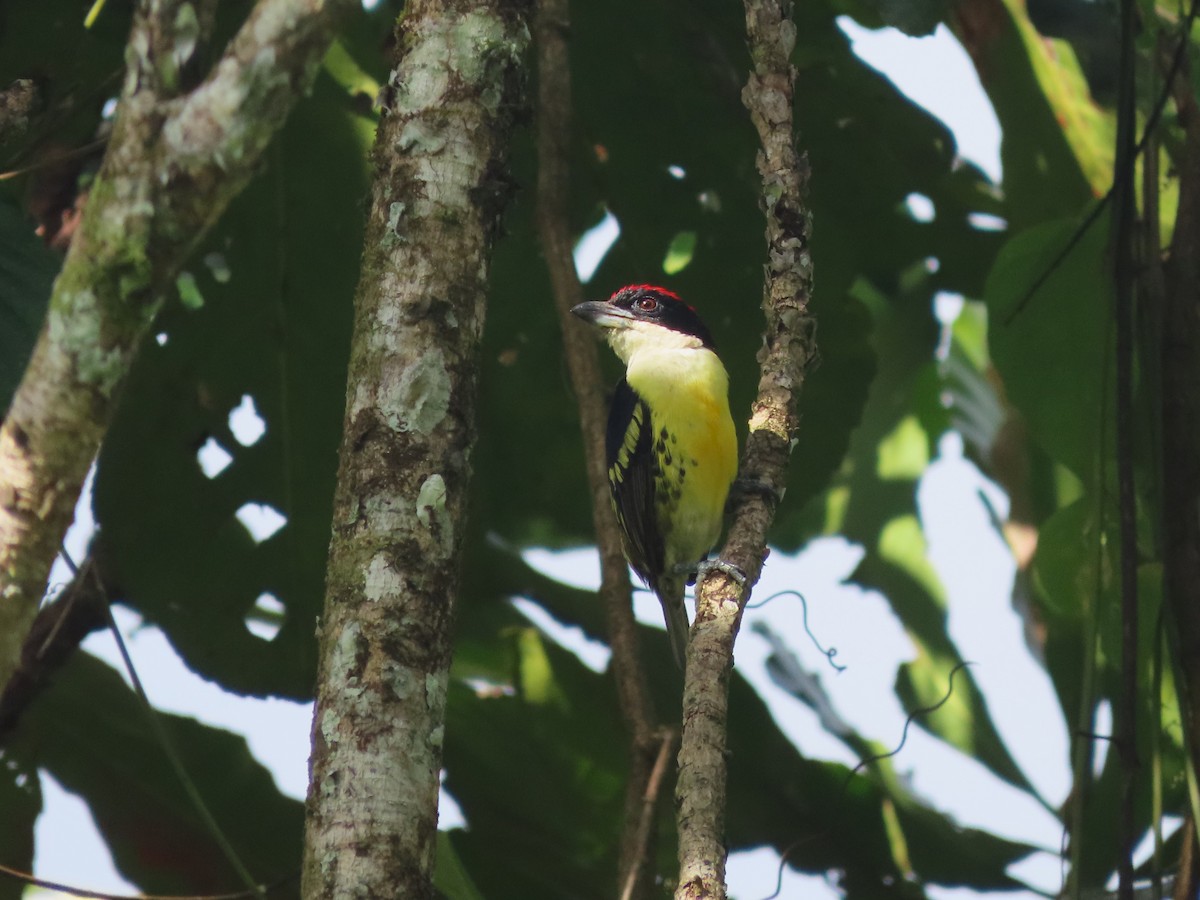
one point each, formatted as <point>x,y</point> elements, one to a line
<point>694,442</point>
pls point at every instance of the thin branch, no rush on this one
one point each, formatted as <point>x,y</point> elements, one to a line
<point>1179,354</point>
<point>173,164</point>
<point>155,721</point>
<point>56,633</point>
<point>1124,276</point>
<point>788,349</point>
<point>583,365</point>
<point>47,161</point>
<point>637,710</point>
<point>645,824</point>
<point>259,890</point>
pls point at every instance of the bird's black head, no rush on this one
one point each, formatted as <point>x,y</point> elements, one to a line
<point>659,306</point>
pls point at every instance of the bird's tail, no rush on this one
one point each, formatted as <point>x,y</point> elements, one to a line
<point>670,595</point>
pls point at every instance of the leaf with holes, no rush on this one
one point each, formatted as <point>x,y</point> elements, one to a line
<point>21,800</point>
<point>215,484</point>
<point>158,840</point>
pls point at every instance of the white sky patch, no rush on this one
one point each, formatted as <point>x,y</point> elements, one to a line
<point>245,423</point>
<point>677,172</point>
<point>594,244</point>
<point>986,222</point>
<point>947,307</point>
<point>936,73</point>
<point>261,520</point>
<point>985,627</point>
<point>920,207</point>
<point>593,654</point>
<point>213,458</point>
<point>579,567</point>
<point>756,873</point>
<point>450,814</point>
<point>1102,724</point>
<point>161,339</point>
<point>266,624</point>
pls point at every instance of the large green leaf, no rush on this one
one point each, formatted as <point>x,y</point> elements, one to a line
<point>158,841</point>
<point>21,800</point>
<point>1054,147</point>
<point>273,287</point>
<point>1051,335</point>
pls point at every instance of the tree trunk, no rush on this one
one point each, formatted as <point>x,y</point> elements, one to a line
<point>408,433</point>
<point>175,160</point>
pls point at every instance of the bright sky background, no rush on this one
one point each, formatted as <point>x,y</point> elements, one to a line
<point>971,558</point>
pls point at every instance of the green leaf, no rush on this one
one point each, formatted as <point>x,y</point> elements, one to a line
<point>21,800</point>
<point>915,18</point>
<point>76,69</point>
<point>450,877</point>
<point>157,839</point>
<point>27,271</point>
<point>679,252</point>
<point>277,276</point>
<point>1056,148</point>
<point>1050,337</point>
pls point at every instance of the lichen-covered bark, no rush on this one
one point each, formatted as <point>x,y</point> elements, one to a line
<point>18,102</point>
<point>404,462</point>
<point>788,348</point>
<point>175,160</point>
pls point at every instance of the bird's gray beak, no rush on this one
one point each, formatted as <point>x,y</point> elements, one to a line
<point>603,315</point>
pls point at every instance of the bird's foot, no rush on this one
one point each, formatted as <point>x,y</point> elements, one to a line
<point>743,486</point>
<point>708,565</point>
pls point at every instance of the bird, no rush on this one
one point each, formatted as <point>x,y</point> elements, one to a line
<point>670,442</point>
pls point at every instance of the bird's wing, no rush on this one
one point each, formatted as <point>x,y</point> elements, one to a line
<point>631,471</point>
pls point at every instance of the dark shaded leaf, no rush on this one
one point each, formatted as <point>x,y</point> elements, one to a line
<point>1051,345</point>
<point>27,271</point>
<point>157,840</point>
<point>21,802</point>
<point>276,278</point>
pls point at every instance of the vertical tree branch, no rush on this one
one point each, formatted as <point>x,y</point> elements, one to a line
<point>403,473</point>
<point>1123,249</point>
<point>1180,361</point>
<point>788,348</point>
<point>174,162</point>
<point>553,135</point>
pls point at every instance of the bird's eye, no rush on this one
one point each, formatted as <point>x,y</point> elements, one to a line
<point>647,304</point>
